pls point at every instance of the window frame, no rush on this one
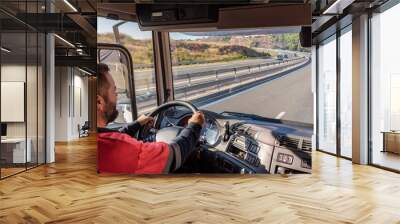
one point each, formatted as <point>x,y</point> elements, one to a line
<point>379,10</point>
<point>343,31</point>
<point>332,37</point>
<point>341,23</point>
<point>340,29</point>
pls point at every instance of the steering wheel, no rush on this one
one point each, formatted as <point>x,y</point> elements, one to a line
<point>166,134</point>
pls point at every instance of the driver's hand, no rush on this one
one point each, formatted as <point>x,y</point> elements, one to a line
<point>145,120</point>
<point>197,118</point>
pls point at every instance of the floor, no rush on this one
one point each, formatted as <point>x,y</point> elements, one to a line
<point>5,172</point>
<point>70,191</point>
<point>10,171</point>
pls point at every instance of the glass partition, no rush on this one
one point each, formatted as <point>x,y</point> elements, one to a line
<point>22,102</point>
<point>31,99</point>
<point>13,94</point>
<point>41,97</point>
<point>327,95</point>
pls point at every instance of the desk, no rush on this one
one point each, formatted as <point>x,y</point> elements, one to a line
<point>391,141</point>
<point>13,150</point>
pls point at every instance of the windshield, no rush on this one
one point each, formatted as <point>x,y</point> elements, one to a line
<point>246,71</point>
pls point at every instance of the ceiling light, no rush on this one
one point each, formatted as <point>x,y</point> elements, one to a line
<point>5,50</point>
<point>65,41</point>
<point>79,51</point>
<point>337,7</point>
<point>86,72</point>
<point>70,5</point>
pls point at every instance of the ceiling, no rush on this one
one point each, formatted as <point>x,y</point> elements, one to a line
<point>74,21</point>
<point>328,13</point>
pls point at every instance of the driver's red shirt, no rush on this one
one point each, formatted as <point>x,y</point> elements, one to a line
<point>120,153</point>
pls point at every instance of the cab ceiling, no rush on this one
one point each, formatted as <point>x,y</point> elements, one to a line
<point>126,9</point>
<point>273,14</point>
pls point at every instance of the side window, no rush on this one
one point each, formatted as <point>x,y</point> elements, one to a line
<point>140,46</point>
<point>119,70</point>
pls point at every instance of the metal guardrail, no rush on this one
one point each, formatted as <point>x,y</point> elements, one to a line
<point>190,77</point>
<point>224,70</point>
<point>200,83</point>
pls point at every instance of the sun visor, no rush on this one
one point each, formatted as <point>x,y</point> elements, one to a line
<point>187,18</point>
<point>161,16</point>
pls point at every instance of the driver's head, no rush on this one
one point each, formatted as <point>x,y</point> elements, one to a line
<point>106,96</point>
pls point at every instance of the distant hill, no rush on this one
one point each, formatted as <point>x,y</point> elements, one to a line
<point>209,49</point>
<point>191,51</point>
<point>141,50</point>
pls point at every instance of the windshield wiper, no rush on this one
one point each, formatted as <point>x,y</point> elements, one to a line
<point>274,120</point>
<point>238,114</point>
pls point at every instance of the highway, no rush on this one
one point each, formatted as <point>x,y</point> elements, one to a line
<point>207,86</point>
<point>288,97</point>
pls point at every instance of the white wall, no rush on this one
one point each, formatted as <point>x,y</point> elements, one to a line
<point>61,104</point>
<point>71,94</point>
<point>33,126</point>
<point>15,73</point>
<point>80,110</point>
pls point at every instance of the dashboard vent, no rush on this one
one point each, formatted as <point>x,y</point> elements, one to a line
<point>306,146</point>
<point>289,142</point>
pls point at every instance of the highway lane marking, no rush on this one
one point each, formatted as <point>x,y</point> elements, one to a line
<point>280,115</point>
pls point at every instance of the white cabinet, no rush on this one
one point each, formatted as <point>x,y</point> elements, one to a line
<point>16,150</point>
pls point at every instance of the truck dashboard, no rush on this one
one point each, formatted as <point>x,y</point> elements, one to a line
<point>238,143</point>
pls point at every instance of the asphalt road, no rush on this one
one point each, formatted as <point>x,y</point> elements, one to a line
<point>288,98</point>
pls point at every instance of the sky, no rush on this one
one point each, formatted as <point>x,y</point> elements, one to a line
<point>104,25</point>
<point>131,29</point>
